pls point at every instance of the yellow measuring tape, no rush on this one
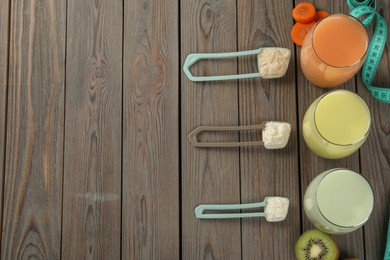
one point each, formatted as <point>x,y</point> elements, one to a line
<point>377,45</point>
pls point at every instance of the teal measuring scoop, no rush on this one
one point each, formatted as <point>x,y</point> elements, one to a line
<point>272,63</point>
<point>275,209</point>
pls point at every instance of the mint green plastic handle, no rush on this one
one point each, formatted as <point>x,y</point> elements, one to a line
<point>195,57</point>
<point>199,211</point>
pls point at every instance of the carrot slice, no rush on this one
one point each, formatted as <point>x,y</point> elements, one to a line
<point>319,15</point>
<point>299,32</point>
<point>304,12</point>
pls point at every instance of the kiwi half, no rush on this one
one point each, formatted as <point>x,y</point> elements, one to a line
<point>316,245</point>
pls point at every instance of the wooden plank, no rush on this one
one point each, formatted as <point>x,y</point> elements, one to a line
<point>4,34</point>
<point>92,171</point>
<point>375,155</point>
<point>33,173</point>
<point>150,131</point>
<point>312,165</point>
<point>268,172</point>
<point>209,176</point>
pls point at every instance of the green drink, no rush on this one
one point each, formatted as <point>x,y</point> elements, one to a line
<point>338,201</point>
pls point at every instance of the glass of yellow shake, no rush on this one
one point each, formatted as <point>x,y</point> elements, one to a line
<point>338,201</point>
<point>336,124</point>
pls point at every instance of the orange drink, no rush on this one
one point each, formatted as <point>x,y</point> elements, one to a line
<point>334,50</point>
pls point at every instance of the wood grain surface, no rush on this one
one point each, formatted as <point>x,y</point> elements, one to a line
<point>92,159</point>
<point>34,165</point>
<point>95,110</point>
<point>268,172</point>
<point>151,217</point>
<point>4,34</point>
<point>209,176</point>
<point>375,153</point>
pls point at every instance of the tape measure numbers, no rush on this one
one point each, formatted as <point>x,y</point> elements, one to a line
<point>376,47</point>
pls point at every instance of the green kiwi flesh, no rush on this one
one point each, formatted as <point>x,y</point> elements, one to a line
<point>316,245</point>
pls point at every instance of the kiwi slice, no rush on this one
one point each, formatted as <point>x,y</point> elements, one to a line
<point>316,245</point>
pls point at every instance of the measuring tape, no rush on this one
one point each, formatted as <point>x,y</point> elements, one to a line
<point>355,3</point>
<point>374,53</point>
<point>377,45</point>
<point>387,251</point>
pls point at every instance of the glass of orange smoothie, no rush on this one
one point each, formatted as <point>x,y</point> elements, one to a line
<point>334,50</point>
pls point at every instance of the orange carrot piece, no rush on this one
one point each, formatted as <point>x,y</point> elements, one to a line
<point>299,32</point>
<point>304,12</point>
<point>319,15</point>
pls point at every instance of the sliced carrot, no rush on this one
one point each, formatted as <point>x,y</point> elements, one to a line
<point>319,15</point>
<point>299,32</point>
<point>304,12</point>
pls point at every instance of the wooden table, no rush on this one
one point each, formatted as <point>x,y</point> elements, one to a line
<point>94,115</point>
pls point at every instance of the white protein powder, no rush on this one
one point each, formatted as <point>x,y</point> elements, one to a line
<point>276,209</point>
<point>273,62</point>
<point>275,135</point>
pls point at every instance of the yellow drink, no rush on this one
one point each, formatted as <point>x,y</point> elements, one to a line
<point>336,124</point>
<point>338,201</point>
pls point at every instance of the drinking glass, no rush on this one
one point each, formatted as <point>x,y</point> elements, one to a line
<point>338,201</point>
<point>334,50</point>
<point>336,124</point>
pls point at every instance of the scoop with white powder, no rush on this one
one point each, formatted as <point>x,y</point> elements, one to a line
<point>276,209</point>
<point>273,62</point>
<point>276,134</point>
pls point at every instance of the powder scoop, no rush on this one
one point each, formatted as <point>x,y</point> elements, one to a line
<point>275,135</point>
<point>272,63</point>
<point>275,209</point>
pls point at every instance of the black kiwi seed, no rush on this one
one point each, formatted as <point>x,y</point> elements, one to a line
<point>312,243</point>
<point>316,245</point>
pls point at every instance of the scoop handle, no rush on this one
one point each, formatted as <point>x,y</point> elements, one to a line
<point>194,140</point>
<point>199,211</point>
<point>195,57</point>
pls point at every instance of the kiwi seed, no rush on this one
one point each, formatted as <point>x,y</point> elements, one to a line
<point>316,245</point>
